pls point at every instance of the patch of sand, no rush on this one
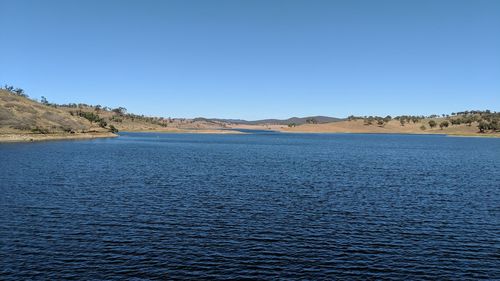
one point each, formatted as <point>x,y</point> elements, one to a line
<point>24,137</point>
<point>188,131</point>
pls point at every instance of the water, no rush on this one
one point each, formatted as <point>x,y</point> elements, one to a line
<point>257,206</point>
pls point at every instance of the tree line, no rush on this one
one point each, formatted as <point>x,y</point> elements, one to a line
<point>14,91</point>
<point>486,120</point>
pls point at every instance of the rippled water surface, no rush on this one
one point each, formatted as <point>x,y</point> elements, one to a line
<point>255,206</point>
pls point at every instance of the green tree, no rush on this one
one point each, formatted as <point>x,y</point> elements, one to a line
<point>8,88</point>
<point>91,116</point>
<point>20,92</point>
<point>423,128</point>
<point>112,129</point>
<point>495,125</point>
<point>444,124</point>
<point>120,110</point>
<point>432,123</point>
<point>468,120</point>
<point>483,126</point>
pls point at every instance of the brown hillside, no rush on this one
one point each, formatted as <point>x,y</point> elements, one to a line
<point>393,126</point>
<point>137,123</point>
<point>20,114</point>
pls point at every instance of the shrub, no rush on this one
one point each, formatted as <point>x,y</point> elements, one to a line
<point>112,129</point>
<point>40,130</point>
<point>483,126</point>
<point>102,123</point>
<point>444,124</point>
<point>432,123</point>
<point>92,117</point>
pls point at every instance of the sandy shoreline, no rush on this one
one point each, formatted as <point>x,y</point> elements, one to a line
<point>189,131</point>
<point>26,137</point>
<point>478,135</point>
<point>10,138</point>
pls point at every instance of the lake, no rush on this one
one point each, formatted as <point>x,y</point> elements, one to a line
<point>251,206</point>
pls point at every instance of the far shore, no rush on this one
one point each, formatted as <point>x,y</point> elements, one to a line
<point>478,135</point>
<point>283,129</point>
<point>358,127</point>
<point>189,131</point>
<point>29,137</point>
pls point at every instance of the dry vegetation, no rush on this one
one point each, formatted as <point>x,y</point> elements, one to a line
<point>18,113</point>
<point>23,119</point>
<point>475,123</point>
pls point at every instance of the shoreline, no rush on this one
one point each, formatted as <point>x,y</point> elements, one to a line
<point>478,135</point>
<point>27,137</point>
<point>190,131</point>
<point>234,131</point>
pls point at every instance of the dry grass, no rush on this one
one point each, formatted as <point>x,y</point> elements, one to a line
<point>22,119</point>
<point>392,127</point>
<point>19,114</point>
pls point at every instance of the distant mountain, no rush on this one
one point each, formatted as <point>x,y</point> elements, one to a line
<point>294,120</point>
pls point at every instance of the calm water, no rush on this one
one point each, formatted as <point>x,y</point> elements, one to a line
<point>259,206</point>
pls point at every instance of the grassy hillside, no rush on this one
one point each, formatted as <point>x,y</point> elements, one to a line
<point>21,114</point>
<point>121,120</point>
<point>480,123</point>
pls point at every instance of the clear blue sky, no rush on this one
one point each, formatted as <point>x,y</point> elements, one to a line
<point>256,59</point>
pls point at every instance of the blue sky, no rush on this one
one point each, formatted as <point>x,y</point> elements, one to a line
<point>256,59</point>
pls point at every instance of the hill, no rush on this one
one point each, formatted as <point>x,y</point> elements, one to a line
<point>293,120</point>
<point>24,119</point>
<point>467,123</point>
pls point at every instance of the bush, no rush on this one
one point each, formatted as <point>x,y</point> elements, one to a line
<point>92,117</point>
<point>102,123</point>
<point>444,124</point>
<point>112,129</point>
<point>483,126</point>
<point>66,129</point>
<point>423,127</point>
<point>432,123</point>
<point>40,130</point>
